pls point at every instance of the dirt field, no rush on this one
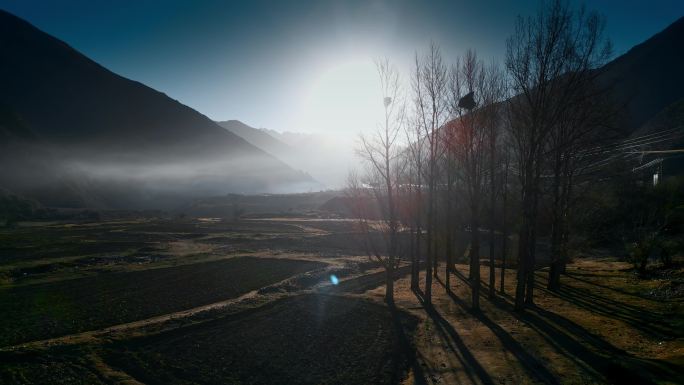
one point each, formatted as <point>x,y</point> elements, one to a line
<point>45,310</point>
<point>306,339</point>
<point>57,251</point>
<point>208,301</point>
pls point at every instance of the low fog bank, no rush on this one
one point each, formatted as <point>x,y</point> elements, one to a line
<point>77,178</point>
<point>327,158</point>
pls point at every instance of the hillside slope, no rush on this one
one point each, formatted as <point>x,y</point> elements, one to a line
<point>649,77</point>
<point>257,137</point>
<point>103,129</point>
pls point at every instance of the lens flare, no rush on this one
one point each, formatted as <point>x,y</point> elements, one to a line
<point>334,279</point>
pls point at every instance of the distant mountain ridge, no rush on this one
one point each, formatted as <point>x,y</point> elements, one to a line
<point>104,128</point>
<point>259,137</point>
<point>328,159</point>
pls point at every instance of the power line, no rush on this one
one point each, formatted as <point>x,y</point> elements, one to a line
<point>675,151</point>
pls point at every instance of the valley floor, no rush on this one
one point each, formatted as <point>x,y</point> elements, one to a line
<point>197,301</point>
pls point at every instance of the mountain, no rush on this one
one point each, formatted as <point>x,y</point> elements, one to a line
<point>649,77</point>
<point>12,127</point>
<point>87,125</point>
<point>327,158</point>
<point>258,137</point>
<point>666,127</point>
<point>662,132</point>
<point>647,85</point>
<point>290,138</point>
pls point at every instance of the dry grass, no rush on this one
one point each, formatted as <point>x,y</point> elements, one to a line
<point>602,327</point>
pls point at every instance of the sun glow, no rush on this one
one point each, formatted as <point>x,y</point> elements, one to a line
<point>343,99</point>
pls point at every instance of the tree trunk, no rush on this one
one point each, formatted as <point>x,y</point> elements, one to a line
<point>448,246</point>
<point>389,292</point>
<point>412,251</point>
<point>419,257</point>
<point>430,233</point>
<point>428,261</point>
<point>435,259</point>
<point>565,227</point>
<point>504,231</point>
<point>552,283</point>
<point>504,250</point>
<point>521,281</point>
<point>532,242</point>
<point>492,242</point>
<point>525,269</point>
<point>475,260</point>
<point>492,209</point>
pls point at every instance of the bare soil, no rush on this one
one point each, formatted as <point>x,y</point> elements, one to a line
<point>52,309</point>
<point>305,339</point>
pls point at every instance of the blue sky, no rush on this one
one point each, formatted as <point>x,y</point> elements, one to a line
<point>270,63</point>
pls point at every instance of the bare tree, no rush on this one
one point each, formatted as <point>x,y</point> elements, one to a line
<point>429,88</point>
<point>450,168</point>
<point>548,58</point>
<point>383,156</point>
<point>506,163</point>
<point>583,123</point>
<point>494,91</point>
<point>467,87</point>
<point>414,203</point>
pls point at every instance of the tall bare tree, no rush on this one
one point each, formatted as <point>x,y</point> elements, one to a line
<point>385,162</point>
<point>413,207</point>
<point>450,169</point>
<point>585,121</point>
<point>506,165</point>
<point>472,104</point>
<point>493,94</point>
<point>548,58</point>
<point>429,84</point>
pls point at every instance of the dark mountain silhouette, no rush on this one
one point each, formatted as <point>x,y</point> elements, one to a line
<point>666,127</point>
<point>89,117</point>
<point>69,99</point>
<point>649,77</point>
<point>647,85</point>
<point>12,127</point>
<point>663,132</point>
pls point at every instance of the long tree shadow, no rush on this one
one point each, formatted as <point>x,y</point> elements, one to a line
<point>576,276</point>
<point>658,367</point>
<point>640,319</point>
<point>462,277</point>
<point>407,350</point>
<point>583,347</point>
<point>472,368</point>
<point>530,363</point>
<point>540,282</point>
<point>574,341</point>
